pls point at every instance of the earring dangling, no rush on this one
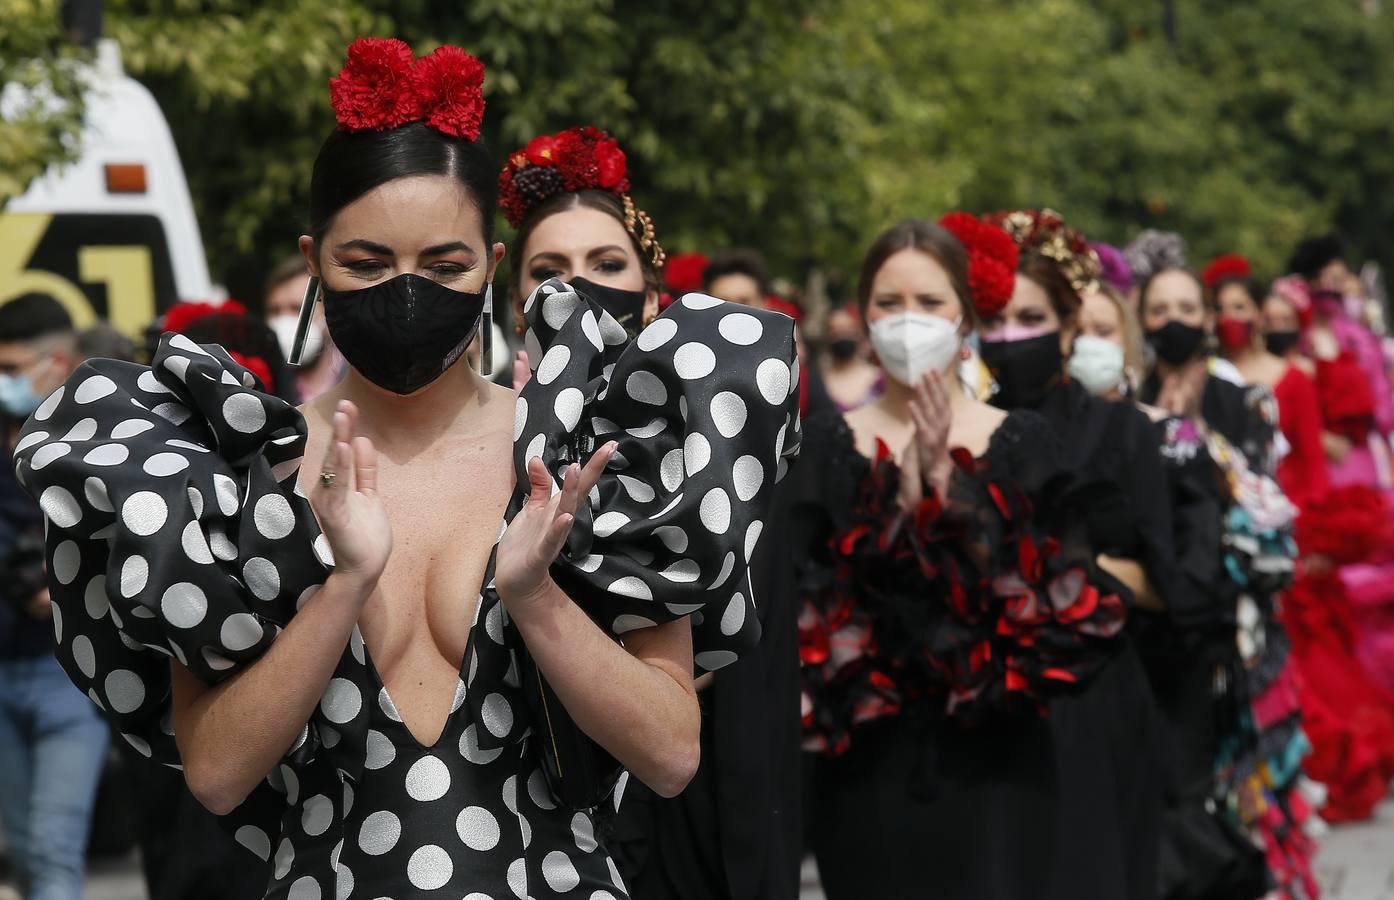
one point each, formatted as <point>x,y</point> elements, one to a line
<point>486,336</point>
<point>964,353</point>
<point>302,325</point>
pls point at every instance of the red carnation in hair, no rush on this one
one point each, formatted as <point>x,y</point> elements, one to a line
<point>684,273</point>
<point>449,84</point>
<point>579,159</point>
<point>374,90</point>
<point>1231,265</point>
<point>992,260</point>
<point>181,315</point>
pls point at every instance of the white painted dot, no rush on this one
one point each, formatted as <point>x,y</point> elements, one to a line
<point>124,690</point>
<point>194,544</point>
<point>559,872</point>
<point>644,386</point>
<point>48,453</point>
<point>697,452</point>
<point>94,598</point>
<point>747,475</point>
<point>583,833</point>
<point>94,389</point>
<point>715,511</point>
<point>711,660</point>
<point>497,714</point>
<point>341,702</point>
<point>693,361</point>
<point>477,828</point>
<point>733,618</point>
<point>66,562</point>
<point>626,623</point>
<point>520,417</point>
<point>608,523</point>
<point>244,412</point>
<point>553,363</point>
<point>304,888</point>
<point>631,586</point>
<point>380,833</point>
<point>700,301</point>
<point>728,412</point>
<point>49,405</point>
<point>150,384</point>
<point>430,868</point>
<point>740,328</point>
<point>557,308</point>
<point>673,537</point>
<point>84,655</point>
<point>29,440</point>
<point>317,815</point>
<point>84,430</point>
<point>728,565</point>
<point>638,491</point>
<point>380,751</point>
<point>184,605</point>
<point>164,464</point>
<point>261,578</point>
<point>144,513</point>
<point>568,406</point>
<point>273,517</point>
<point>60,506</point>
<point>240,631</point>
<point>591,330</point>
<point>107,455</point>
<point>428,779</point>
<point>255,840</point>
<point>773,378</point>
<point>135,571</point>
<point>660,332</point>
<point>470,750</point>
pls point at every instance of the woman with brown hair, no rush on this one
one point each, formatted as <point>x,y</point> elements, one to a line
<point>957,604</point>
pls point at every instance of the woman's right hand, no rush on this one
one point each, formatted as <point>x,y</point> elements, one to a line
<point>348,507</point>
<point>926,463</point>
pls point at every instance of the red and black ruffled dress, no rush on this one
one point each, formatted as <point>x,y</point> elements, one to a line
<point>938,647</point>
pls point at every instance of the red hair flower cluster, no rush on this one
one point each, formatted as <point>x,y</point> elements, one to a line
<point>992,260</point>
<point>684,273</point>
<point>383,86</point>
<point>1231,265</point>
<point>578,159</point>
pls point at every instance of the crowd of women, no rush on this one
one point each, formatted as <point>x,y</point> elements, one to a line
<point>1057,570</point>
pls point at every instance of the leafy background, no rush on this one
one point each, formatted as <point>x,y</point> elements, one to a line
<point>803,127</point>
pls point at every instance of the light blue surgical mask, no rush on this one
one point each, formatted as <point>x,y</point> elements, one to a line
<point>17,396</point>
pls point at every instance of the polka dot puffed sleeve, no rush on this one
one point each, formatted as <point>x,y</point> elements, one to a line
<point>175,529</point>
<point>704,407</point>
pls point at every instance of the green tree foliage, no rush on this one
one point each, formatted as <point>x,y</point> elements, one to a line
<point>804,126</point>
<point>41,110</point>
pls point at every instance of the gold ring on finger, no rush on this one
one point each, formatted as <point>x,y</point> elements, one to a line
<point>326,478</point>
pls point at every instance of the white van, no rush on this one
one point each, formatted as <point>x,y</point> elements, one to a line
<point>112,235</point>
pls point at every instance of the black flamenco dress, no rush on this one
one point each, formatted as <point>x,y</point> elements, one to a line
<point>1116,727</point>
<point>177,530</point>
<point>939,648</point>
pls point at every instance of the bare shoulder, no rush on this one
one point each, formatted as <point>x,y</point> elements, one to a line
<point>1155,413</point>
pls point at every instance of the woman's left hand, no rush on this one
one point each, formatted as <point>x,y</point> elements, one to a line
<point>539,530</point>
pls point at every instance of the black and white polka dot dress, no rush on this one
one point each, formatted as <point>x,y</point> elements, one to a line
<point>176,530</point>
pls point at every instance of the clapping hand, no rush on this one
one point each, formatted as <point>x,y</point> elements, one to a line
<point>346,502</point>
<point>539,530</point>
<point>926,461</point>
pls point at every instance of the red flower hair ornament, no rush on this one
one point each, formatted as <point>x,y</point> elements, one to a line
<point>578,159</point>
<point>1231,265</point>
<point>992,260</point>
<point>383,86</point>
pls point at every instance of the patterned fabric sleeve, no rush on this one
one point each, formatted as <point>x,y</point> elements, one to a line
<point>704,406</point>
<point>175,529</point>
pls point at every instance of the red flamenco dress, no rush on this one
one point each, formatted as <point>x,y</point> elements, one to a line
<point>954,656</point>
<point>1349,409</point>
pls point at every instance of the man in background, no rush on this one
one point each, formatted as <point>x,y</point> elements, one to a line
<point>52,741</point>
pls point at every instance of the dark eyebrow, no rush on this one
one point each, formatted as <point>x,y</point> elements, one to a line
<point>370,246</point>
<point>442,249</point>
<point>546,254</point>
<point>611,248</point>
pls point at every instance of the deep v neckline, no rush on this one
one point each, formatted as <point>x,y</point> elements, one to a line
<point>457,700</point>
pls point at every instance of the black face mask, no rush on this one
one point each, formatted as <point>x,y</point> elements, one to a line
<point>1280,342</point>
<point>1024,370</point>
<point>842,349</point>
<point>627,307</point>
<point>403,333</point>
<point>1176,342</point>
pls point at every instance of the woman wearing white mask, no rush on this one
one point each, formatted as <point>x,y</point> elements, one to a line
<point>1107,354</point>
<point>956,604</point>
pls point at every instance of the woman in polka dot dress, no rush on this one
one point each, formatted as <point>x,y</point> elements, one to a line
<point>331,652</point>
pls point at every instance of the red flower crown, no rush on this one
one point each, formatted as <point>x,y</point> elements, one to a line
<point>383,86</point>
<point>992,260</point>
<point>578,159</point>
<point>1231,265</point>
